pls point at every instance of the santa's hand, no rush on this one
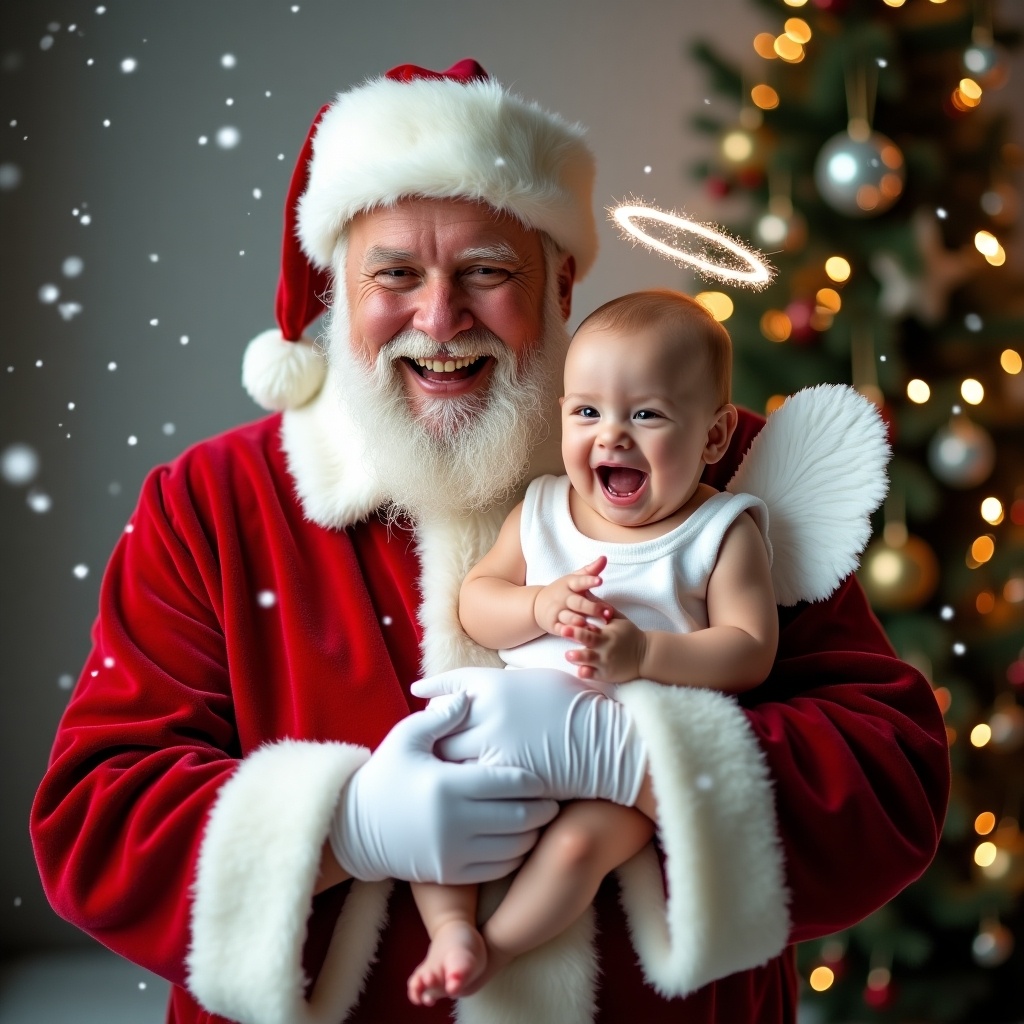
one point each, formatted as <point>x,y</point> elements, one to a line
<point>407,814</point>
<point>580,742</point>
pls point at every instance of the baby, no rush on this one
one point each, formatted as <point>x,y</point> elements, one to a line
<point>674,586</point>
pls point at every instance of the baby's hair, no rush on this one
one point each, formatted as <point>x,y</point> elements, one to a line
<point>674,311</point>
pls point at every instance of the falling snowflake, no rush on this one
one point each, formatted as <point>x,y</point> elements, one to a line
<point>228,60</point>
<point>129,64</point>
<point>49,293</point>
<point>80,571</point>
<point>39,501</point>
<point>228,137</point>
<point>19,464</point>
<point>72,266</point>
<point>10,176</point>
<point>266,599</point>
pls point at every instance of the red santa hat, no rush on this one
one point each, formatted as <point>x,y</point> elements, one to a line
<point>413,132</point>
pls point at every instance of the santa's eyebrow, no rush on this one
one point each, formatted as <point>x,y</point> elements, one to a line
<point>377,254</point>
<point>500,252</point>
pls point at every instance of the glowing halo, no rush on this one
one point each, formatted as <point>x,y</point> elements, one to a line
<point>747,268</point>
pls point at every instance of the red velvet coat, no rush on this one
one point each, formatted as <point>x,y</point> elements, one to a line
<point>255,639</point>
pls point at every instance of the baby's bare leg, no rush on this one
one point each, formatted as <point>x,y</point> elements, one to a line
<point>561,876</point>
<point>457,955</point>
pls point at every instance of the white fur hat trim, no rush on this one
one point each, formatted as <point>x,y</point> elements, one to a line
<point>387,139</point>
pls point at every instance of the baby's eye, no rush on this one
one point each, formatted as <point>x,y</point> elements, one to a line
<point>588,412</point>
<point>646,414</point>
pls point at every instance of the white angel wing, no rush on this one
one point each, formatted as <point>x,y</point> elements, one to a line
<point>819,466</point>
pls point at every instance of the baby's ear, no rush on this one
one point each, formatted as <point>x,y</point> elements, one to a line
<point>720,433</point>
<point>561,400</point>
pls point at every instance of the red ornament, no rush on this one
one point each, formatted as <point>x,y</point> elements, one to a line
<point>889,419</point>
<point>718,186</point>
<point>800,312</point>
<point>750,177</point>
<point>880,997</point>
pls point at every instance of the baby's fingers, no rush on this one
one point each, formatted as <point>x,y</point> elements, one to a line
<point>580,583</point>
<point>581,635</point>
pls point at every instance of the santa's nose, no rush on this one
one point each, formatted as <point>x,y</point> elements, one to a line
<point>441,311</point>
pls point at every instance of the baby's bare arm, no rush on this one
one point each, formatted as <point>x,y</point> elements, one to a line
<point>733,654</point>
<point>497,609</point>
<point>495,605</point>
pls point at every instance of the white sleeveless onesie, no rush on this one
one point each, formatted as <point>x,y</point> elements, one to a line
<point>658,584</point>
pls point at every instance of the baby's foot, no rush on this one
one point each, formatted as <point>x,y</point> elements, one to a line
<point>456,958</point>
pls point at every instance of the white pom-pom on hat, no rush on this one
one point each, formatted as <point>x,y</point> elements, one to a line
<point>280,374</point>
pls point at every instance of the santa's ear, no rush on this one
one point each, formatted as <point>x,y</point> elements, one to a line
<point>566,280</point>
<point>720,433</point>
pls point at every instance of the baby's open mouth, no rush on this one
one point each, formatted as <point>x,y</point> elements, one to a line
<point>620,481</point>
<point>448,369</point>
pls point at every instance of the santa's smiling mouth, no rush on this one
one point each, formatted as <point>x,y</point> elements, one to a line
<point>450,368</point>
<point>621,483</point>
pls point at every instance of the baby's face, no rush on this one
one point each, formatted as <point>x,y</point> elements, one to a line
<point>635,420</point>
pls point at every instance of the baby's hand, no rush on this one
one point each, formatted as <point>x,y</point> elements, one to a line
<point>568,602</point>
<point>612,653</point>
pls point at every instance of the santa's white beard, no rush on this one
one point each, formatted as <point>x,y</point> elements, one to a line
<point>452,456</point>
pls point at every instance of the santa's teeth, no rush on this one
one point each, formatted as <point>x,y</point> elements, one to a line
<point>446,365</point>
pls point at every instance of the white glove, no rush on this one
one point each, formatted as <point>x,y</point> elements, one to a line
<point>407,814</point>
<point>582,743</point>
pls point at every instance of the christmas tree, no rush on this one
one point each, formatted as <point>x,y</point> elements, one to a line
<point>864,143</point>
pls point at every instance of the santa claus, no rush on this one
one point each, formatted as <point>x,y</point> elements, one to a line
<point>243,783</point>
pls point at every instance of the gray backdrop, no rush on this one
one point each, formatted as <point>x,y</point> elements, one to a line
<point>137,261</point>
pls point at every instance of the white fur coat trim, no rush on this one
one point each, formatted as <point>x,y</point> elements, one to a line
<point>726,909</point>
<point>386,140</point>
<point>258,865</point>
<point>332,480</point>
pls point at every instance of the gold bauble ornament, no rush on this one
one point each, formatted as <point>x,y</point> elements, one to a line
<point>899,577</point>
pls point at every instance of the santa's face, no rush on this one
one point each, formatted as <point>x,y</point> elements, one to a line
<point>447,348</point>
<point>444,270</point>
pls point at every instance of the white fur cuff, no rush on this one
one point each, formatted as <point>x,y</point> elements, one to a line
<point>726,909</point>
<point>258,865</point>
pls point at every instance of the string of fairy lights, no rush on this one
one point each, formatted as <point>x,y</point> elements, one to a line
<point>861,173</point>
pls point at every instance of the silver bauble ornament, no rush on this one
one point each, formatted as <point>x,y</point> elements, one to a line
<point>961,454</point>
<point>1007,725</point>
<point>781,231</point>
<point>992,945</point>
<point>985,63</point>
<point>860,177</point>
